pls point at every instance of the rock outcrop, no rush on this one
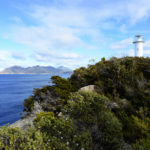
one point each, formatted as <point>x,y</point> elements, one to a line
<point>89,88</point>
<point>27,121</point>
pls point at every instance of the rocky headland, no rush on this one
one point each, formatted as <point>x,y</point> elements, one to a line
<point>104,106</point>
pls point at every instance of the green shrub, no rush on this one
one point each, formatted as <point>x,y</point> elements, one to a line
<point>90,110</point>
<point>62,87</point>
<point>143,144</point>
<point>84,120</point>
<point>15,139</point>
<point>28,104</point>
<point>62,133</point>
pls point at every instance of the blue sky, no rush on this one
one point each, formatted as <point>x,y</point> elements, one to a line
<point>70,32</point>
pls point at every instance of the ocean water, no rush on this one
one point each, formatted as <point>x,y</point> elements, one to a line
<point>14,89</point>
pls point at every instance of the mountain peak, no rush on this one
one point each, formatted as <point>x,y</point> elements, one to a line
<point>36,70</point>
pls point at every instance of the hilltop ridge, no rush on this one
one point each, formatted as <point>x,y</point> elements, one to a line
<point>36,70</point>
<point>105,106</point>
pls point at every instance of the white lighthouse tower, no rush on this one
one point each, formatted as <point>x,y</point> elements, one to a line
<point>138,46</point>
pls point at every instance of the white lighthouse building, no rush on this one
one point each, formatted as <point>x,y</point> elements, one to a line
<point>138,46</point>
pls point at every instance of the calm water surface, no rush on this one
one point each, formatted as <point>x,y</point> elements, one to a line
<point>14,89</point>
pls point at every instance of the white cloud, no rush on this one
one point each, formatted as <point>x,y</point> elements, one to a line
<point>16,19</point>
<point>9,58</point>
<point>147,44</point>
<point>123,44</point>
<point>46,56</point>
<point>125,53</point>
<point>131,52</point>
<point>138,10</point>
<point>18,55</point>
<point>4,54</point>
<point>147,52</point>
<point>63,27</point>
<point>68,25</point>
<point>124,47</point>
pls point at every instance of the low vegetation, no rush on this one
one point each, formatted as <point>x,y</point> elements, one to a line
<point>114,117</point>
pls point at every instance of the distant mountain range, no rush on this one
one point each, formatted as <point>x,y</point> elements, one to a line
<point>36,70</point>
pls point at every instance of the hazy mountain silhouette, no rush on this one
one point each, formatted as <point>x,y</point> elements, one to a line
<point>36,70</point>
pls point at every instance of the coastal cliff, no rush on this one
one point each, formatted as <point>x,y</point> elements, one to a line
<point>104,106</point>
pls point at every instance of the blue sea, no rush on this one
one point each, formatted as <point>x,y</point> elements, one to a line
<point>14,89</point>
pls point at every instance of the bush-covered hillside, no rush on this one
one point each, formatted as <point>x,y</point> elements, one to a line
<point>114,117</point>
